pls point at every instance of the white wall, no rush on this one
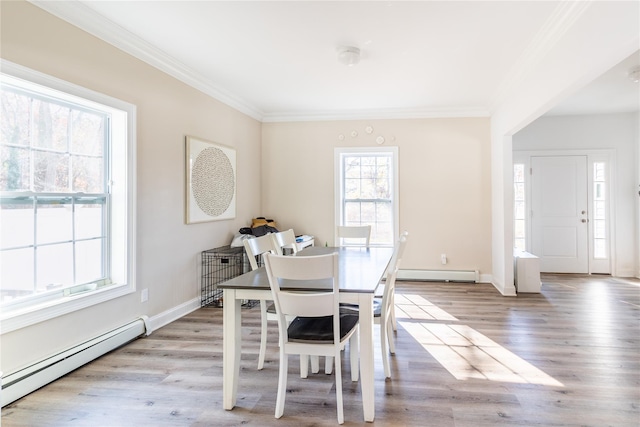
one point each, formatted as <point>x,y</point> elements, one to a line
<point>617,132</point>
<point>444,167</point>
<point>585,39</point>
<point>167,249</point>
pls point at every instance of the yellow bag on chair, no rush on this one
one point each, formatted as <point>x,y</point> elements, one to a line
<point>257,222</point>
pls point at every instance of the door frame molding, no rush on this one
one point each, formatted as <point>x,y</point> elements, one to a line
<point>595,155</point>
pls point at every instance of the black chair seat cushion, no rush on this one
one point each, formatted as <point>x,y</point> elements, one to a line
<point>352,308</point>
<point>315,329</point>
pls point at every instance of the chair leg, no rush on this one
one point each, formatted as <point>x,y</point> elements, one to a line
<point>315,364</point>
<point>263,334</point>
<point>304,366</point>
<point>393,312</point>
<point>354,352</point>
<point>391,338</point>
<point>282,383</point>
<point>328,365</point>
<point>384,328</point>
<point>339,388</point>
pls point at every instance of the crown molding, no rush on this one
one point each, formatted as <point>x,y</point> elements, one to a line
<point>85,18</point>
<point>375,114</point>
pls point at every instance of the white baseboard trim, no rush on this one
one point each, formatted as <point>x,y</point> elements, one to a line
<point>172,314</point>
<point>626,273</point>
<point>486,278</point>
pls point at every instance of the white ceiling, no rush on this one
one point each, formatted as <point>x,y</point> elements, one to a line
<point>278,60</point>
<point>612,92</point>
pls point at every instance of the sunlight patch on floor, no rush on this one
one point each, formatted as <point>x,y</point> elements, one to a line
<point>410,306</point>
<point>467,354</point>
<point>463,351</point>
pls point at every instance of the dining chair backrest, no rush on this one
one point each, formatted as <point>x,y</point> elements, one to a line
<point>396,258</point>
<point>394,266</point>
<point>284,238</point>
<point>308,269</point>
<point>347,234</point>
<point>258,246</point>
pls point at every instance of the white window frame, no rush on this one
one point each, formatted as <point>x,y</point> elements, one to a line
<point>526,202</point>
<point>122,244</point>
<point>606,264</point>
<point>339,179</point>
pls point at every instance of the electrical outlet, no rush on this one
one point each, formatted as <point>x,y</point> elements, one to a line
<point>443,258</point>
<point>144,295</point>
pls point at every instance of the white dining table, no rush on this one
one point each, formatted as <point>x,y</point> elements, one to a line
<point>360,269</point>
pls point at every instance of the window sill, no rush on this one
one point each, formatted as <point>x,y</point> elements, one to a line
<point>18,319</point>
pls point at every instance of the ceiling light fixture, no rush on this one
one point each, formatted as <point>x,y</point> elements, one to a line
<point>634,74</point>
<point>349,55</point>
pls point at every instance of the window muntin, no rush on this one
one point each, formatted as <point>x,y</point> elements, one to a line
<point>519,208</point>
<point>69,207</point>
<point>599,211</point>
<point>367,192</point>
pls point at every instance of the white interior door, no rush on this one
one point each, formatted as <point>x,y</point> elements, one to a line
<point>559,213</point>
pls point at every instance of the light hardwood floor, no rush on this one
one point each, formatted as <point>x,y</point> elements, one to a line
<point>466,356</point>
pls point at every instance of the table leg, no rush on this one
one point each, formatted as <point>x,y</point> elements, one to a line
<point>367,369</point>
<point>230,348</point>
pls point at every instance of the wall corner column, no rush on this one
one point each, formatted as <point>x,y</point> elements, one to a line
<point>502,213</point>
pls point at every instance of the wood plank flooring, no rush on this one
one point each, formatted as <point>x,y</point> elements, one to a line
<point>466,357</point>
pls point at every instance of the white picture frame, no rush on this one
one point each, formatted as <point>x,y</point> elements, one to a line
<point>210,193</point>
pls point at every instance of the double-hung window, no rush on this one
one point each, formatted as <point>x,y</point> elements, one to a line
<point>367,191</point>
<point>66,197</point>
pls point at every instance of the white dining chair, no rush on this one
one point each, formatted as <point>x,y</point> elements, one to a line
<point>258,247</point>
<point>282,240</point>
<point>384,314</point>
<point>318,329</point>
<point>350,235</point>
<point>285,239</point>
<point>384,306</point>
<point>359,235</point>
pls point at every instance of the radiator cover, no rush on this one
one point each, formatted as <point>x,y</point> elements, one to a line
<point>22,382</point>
<point>440,275</point>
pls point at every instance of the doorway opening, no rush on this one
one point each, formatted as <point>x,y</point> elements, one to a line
<point>562,210</point>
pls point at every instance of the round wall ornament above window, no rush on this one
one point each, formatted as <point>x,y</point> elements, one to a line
<point>380,140</point>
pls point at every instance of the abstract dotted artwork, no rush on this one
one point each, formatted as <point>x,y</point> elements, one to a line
<point>211,181</point>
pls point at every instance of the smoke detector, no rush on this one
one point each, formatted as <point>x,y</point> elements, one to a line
<point>349,55</point>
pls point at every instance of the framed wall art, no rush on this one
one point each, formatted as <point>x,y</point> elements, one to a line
<point>210,181</point>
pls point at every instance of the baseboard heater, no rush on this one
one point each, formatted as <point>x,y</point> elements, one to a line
<point>20,383</point>
<point>440,275</point>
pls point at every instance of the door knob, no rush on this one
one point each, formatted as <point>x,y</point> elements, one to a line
<point>584,220</point>
<point>584,212</point>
